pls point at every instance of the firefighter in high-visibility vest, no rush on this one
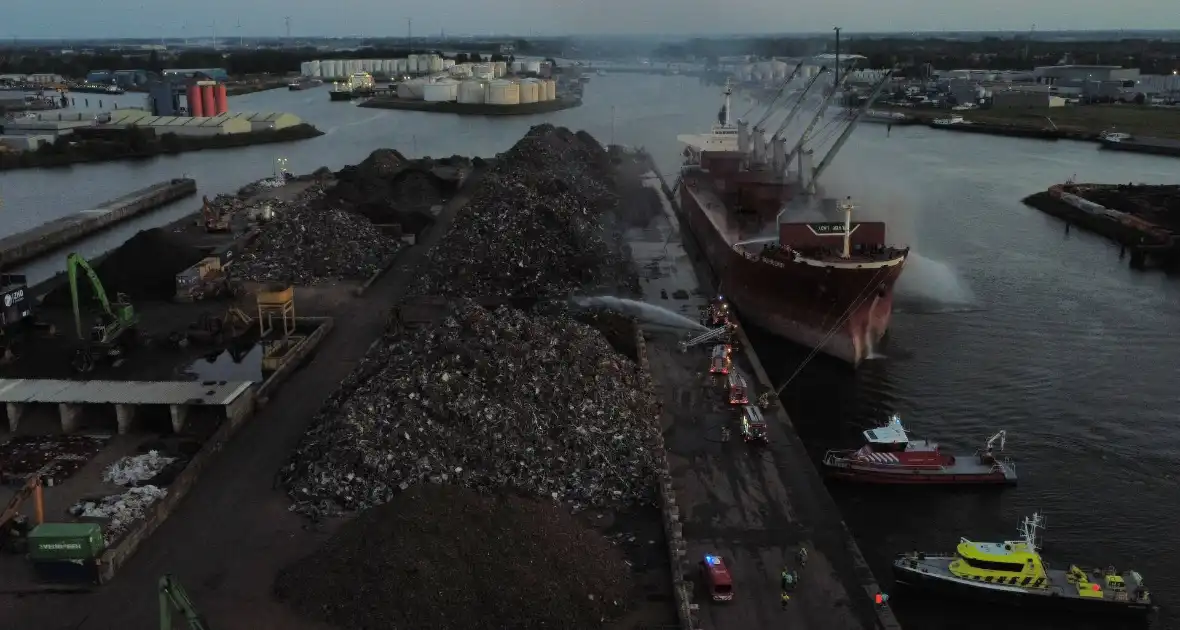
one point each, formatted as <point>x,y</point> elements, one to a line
<point>785,599</point>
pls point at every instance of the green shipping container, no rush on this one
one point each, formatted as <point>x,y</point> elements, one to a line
<point>66,541</point>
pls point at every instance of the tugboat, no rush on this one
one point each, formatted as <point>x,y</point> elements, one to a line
<point>891,457</point>
<point>1012,572</point>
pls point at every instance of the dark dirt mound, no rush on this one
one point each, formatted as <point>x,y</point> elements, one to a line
<point>388,188</point>
<point>144,267</point>
<point>619,330</point>
<point>440,556</point>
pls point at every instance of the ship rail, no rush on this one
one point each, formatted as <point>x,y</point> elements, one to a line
<point>923,555</point>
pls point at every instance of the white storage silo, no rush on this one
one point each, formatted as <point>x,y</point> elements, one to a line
<point>328,68</point>
<point>305,69</point>
<point>500,68</point>
<point>462,71</point>
<point>448,64</point>
<point>411,90</point>
<point>528,92</point>
<point>472,91</point>
<point>366,65</point>
<point>532,66</point>
<point>436,63</point>
<point>501,92</point>
<point>316,69</point>
<point>399,66</point>
<point>550,90</point>
<point>808,71</point>
<point>385,66</point>
<point>517,67</point>
<point>412,64</point>
<point>439,91</point>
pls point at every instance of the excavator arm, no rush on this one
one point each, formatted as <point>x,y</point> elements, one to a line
<point>73,262</point>
<point>174,599</point>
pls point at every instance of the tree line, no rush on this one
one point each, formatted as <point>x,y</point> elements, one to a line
<point>236,63</point>
<point>916,55</point>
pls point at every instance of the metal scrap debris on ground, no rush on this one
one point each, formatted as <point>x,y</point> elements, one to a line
<point>535,226</point>
<point>488,400</point>
<point>308,244</point>
<point>119,511</point>
<point>54,458</point>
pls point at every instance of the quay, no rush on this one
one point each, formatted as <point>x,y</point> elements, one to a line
<point>754,507</point>
<point>47,237</point>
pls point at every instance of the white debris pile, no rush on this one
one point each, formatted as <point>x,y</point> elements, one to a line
<point>136,469</point>
<point>119,510</point>
<point>538,224</point>
<point>488,400</point>
<point>306,243</point>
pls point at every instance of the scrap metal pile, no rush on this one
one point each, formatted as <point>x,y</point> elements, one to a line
<point>119,511</point>
<point>538,224</point>
<point>388,188</point>
<point>445,557</point>
<point>488,400</point>
<point>308,244</point>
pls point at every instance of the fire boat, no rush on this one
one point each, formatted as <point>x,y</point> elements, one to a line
<point>890,456</point>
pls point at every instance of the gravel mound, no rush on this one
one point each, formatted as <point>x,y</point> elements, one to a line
<point>535,226</point>
<point>488,400</point>
<point>307,243</point>
<point>144,267</point>
<point>446,557</point>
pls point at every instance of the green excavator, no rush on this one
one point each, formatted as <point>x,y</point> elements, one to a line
<point>115,326</point>
<point>173,599</point>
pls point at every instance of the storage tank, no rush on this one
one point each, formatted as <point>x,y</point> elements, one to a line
<point>221,99</point>
<point>529,93</point>
<point>550,90</point>
<point>399,66</point>
<point>501,92</point>
<point>460,72</point>
<point>196,107</point>
<point>316,69</point>
<point>435,63</point>
<point>473,91</point>
<point>440,91</point>
<point>517,67</point>
<point>412,64</point>
<point>305,69</point>
<point>500,68</point>
<point>411,90</point>
<point>330,71</point>
<point>532,66</point>
<point>448,64</point>
<point>208,100</point>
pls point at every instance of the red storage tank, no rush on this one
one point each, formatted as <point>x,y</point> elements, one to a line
<point>209,101</point>
<point>222,99</point>
<point>195,106</point>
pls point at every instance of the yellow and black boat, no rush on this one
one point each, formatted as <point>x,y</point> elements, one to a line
<point>1013,572</point>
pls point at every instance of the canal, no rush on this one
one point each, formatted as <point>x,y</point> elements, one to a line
<point>1005,320</point>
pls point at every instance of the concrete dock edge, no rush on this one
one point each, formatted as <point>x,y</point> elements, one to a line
<point>885,619</point>
<point>56,234</point>
<point>243,410</point>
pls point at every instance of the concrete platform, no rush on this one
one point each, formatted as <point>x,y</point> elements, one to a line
<point>45,238</point>
<point>754,507</point>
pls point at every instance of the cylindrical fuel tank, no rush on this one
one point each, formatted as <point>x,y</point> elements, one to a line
<point>195,106</point>
<point>208,100</point>
<point>222,99</point>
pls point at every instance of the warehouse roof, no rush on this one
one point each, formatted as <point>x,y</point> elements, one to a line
<point>121,392</point>
<point>260,116</point>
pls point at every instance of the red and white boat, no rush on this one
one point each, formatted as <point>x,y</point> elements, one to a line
<point>890,456</point>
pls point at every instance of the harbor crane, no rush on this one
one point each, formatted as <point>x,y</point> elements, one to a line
<point>115,325</point>
<point>174,599</point>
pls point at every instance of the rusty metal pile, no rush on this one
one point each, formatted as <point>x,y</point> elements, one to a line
<point>539,225</point>
<point>488,400</point>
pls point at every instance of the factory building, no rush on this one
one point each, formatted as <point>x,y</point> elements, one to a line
<point>190,74</point>
<point>1027,98</point>
<point>241,122</point>
<point>1054,75</point>
<point>273,121</point>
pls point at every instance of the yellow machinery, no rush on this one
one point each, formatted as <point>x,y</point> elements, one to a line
<point>276,303</point>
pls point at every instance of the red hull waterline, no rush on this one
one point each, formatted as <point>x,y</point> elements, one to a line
<point>917,477</point>
<point>802,303</point>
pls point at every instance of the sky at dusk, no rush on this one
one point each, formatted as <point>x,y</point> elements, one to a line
<point>196,18</point>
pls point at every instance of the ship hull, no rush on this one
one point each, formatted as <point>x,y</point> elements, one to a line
<point>804,304</point>
<point>914,477</point>
<point>1011,596</point>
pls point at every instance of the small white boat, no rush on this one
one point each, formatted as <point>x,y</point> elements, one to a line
<point>949,120</point>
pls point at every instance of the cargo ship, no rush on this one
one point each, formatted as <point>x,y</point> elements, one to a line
<point>304,84</point>
<point>826,285</point>
<point>358,84</point>
<point>891,456</point>
<point>1012,572</point>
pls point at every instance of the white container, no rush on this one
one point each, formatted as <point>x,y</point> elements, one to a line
<point>316,69</point>
<point>440,91</point>
<point>501,92</point>
<point>473,91</point>
<point>517,67</point>
<point>436,63</point>
<point>550,90</point>
<point>411,90</point>
<point>532,66</point>
<point>529,92</point>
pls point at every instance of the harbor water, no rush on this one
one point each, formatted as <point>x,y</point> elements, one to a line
<point>1005,320</point>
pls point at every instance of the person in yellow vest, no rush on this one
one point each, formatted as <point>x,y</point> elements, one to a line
<point>786,599</point>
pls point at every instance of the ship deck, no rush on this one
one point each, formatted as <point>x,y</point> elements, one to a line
<point>888,464</point>
<point>714,208</point>
<point>1058,585</point>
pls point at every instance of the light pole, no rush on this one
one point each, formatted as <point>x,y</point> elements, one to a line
<point>280,167</point>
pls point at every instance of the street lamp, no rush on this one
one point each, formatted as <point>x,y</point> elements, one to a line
<point>280,166</point>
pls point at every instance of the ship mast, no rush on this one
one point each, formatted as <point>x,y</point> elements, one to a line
<point>847,208</point>
<point>728,92</point>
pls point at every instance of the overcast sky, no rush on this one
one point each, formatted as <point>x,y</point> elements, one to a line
<point>195,18</point>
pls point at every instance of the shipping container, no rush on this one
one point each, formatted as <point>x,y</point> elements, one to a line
<point>66,541</point>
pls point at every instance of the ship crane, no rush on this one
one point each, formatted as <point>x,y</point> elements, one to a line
<point>1001,437</point>
<point>798,104</point>
<point>770,109</point>
<point>819,114</point>
<point>716,333</point>
<point>831,154</point>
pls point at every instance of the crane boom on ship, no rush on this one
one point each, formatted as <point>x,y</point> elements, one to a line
<point>770,109</point>
<point>831,154</point>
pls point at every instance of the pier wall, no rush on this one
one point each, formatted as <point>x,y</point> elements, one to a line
<point>48,237</point>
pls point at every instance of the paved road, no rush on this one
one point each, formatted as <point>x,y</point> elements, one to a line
<point>754,507</point>
<point>233,531</point>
